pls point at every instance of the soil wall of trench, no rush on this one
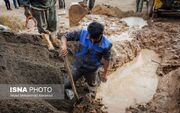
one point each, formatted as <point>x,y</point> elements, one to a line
<point>24,59</point>
<point>164,38</point>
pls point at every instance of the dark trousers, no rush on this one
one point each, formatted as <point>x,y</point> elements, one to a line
<point>8,6</point>
<point>46,19</point>
<point>139,5</point>
<point>62,4</point>
<point>19,3</point>
<point>15,4</point>
<point>90,77</point>
<point>91,3</point>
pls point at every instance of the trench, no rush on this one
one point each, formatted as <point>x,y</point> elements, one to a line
<point>135,82</point>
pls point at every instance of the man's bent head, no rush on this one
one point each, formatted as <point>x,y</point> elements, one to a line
<point>95,30</point>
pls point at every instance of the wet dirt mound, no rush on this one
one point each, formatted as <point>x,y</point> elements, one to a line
<point>25,60</point>
<point>111,11</point>
<point>164,39</point>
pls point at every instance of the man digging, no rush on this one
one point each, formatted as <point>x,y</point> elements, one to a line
<point>93,46</point>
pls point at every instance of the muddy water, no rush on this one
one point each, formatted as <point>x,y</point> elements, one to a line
<point>134,83</point>
<point>134,24</point>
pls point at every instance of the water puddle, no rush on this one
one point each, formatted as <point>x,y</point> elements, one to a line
<point>134,24</point>
<point>134,83</point>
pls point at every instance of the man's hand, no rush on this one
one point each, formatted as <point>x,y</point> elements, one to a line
<point>63,47</point>
<point>105,65</point>
<point>63,50</point>
<point>104,77</point>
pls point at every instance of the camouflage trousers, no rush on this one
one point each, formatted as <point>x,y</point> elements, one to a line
<point>46,19</point>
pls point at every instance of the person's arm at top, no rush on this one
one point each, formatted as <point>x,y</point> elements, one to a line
<point>71,36</point>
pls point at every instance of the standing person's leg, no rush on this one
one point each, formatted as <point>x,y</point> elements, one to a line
<point>141,5</point>
<point>64,4</point>
<point>52,25</point>
<point>41,20</point>
<point>40,17</point>
<point>137,5</point>
<point>19,4</point>
<point>91,4</point>
<point>15,4</point>
<point>61,3</point>
<point>9,5</point>
<point>5,1</point>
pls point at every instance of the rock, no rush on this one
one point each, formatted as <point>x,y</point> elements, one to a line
<point>76,13</point>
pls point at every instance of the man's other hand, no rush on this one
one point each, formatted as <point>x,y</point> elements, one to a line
<point>104,77</point>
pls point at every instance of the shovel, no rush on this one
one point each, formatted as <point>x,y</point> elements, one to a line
<point>71,77</point>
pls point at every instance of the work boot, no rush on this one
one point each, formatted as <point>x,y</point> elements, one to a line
<point>55,40</point>
<point>47,40</point>
<point>69,94</point>
<point>91,91</point>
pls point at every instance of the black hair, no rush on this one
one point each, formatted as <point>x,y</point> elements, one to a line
<point>95,30</point>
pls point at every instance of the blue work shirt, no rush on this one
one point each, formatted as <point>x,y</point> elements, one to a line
<point>89,54</point>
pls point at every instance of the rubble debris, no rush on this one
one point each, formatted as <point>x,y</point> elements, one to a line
<point>111,11</point>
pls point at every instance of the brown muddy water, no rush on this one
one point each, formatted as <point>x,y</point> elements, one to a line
<point>134,83</point>
<point>134,24</point>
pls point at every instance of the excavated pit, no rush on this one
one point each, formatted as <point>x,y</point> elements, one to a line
<point>125,86</point>
<point>25,59</point>
<point>134,83</point>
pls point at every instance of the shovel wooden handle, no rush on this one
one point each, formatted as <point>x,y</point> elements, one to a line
<point>70,77</point>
